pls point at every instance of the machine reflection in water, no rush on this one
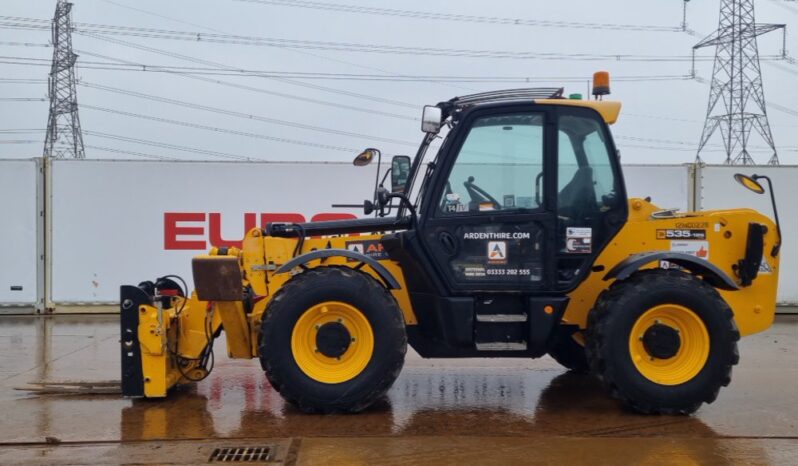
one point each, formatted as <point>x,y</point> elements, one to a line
<point>238,403</point>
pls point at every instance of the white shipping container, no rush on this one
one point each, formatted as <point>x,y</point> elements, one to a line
<point>121,222</point>
<point>669,186</point>
<point>719,190</point>
<point>18,232</point>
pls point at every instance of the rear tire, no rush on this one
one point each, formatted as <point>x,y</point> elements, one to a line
<point>662,341</point>
<point>332,340</point>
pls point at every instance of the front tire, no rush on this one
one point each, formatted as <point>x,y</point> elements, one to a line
<point>662,342</point>
<point>332,340</point>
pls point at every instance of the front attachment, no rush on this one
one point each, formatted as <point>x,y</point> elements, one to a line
<point>132,298</point>
<point>165,337</point>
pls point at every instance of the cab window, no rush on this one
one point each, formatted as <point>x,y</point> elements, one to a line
<point>588,191</point>
<point>586,181</point>
<point>498,167</point>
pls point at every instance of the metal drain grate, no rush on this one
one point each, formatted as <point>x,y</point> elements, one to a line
<point>240,454</point>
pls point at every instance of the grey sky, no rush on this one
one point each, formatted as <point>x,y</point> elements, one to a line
<point>654,111</point>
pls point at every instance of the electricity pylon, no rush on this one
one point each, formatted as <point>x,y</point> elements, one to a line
<point>64,138</point>
<point>737,83</point>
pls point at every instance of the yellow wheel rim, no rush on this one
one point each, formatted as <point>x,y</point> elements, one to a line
<point>324,368</point>
<point>691,355</point>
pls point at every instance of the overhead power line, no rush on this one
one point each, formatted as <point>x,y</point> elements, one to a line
<point>23,99</point>
<point>106,65</point>
<point>20,141</point>
<point>385,49</point>
<point>683,149</point>
<point>22,81</point>
<point>302,52</point>
<point>781,3</point>
<point>22,131</point>
<point>127,152</point>
<point>691,145</point>
<point>35,23</point>
<point>162,16</point>
<point>260,90</point>
<point>200,37</point>
<point>462,18</point>
<point>304,75</point>
<point>243,115</point>
<point>372,98</point>
<point>770,104</point>
<point>661,117</point>
<point>782,108</point>
<point>164,145</point>
<point>23,44</point>
<point>219,130</point>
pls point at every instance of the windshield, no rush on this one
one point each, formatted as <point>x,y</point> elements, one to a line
<point>499,166</point>
<point>428,153</point>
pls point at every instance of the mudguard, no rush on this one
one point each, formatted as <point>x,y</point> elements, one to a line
<point>383,273</point>
<point>711,273</point>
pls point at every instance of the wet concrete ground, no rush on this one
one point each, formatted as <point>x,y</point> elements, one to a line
<point>499,411</point>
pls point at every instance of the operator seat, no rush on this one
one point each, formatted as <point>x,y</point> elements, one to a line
<point>577,200</point>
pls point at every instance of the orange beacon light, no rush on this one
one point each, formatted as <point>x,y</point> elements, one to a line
<point>601,83</point>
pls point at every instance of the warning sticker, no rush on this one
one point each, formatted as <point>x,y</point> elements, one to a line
<point>574,232</point>
<point>764,267</point>
<point>497,252</point>
<point>694,248</point>
<point>371,248</point>
<point>578,240</point>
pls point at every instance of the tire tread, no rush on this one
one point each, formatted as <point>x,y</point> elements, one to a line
<point>613,300</point>
<point>300,284</point>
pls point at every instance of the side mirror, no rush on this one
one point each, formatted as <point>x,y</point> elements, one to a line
<point>368,207</point>
<point>400,170</point>
<point>364,158</point>
<point>383,197</point>
<point>431,119</point>
<point>749,183</point>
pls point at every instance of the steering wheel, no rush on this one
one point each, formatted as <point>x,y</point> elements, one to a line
<point>479,195</point>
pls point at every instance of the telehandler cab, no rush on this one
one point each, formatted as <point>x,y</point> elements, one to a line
<point>514,239</point>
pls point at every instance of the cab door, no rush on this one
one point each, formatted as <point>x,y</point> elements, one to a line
<point>488,221</point>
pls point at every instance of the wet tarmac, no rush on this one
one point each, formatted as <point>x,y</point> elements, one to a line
<point>478,411</point>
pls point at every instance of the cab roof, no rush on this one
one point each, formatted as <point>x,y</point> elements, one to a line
<point>608,109</point>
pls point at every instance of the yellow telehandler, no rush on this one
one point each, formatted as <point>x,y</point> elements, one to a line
<point>515,239</point>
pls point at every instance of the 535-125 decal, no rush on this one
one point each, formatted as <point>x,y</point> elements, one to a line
<point>682,233</point>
